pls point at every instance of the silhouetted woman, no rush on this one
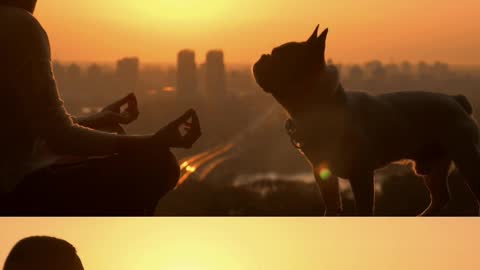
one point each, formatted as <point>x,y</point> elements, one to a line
<point>43,253</point>
<point>121,175</point>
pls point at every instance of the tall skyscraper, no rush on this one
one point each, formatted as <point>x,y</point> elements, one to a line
<point>127,73</point>
<point>215,74</point>
<point>186,74</point>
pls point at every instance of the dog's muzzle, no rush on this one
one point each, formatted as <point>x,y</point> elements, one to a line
<point>261,72</point>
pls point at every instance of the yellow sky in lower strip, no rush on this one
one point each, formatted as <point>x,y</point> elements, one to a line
<point>260,243</point>
<point>156,30</point>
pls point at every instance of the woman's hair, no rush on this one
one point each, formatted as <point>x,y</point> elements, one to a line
<point>42,253</point>
<point>29,5</point>
<point>9,2</point>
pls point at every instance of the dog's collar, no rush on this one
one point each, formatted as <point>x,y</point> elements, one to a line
<point>291,125</point>
<point>337,99</point>
<point>291,129</point>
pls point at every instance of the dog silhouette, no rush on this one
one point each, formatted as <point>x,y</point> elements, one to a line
<point>350,134</point>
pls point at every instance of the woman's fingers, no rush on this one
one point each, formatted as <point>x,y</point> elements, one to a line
<point>122,101</point>
<point>191,137</point>
<point>195,120</point>
<point>173,135</point>
<point>132,104</point>
<point>115,106</point>
<point>184,118</point>
<point>194,131</point>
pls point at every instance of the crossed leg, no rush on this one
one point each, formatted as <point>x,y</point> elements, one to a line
<point>116,185</point>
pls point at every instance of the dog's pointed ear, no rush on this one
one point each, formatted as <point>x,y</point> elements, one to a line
<point>320,44</point>
<point>323,36</point>
<point>313,37</point>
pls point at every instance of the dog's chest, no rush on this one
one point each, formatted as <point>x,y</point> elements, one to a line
<point>326,140</point>
<point>362,135</point>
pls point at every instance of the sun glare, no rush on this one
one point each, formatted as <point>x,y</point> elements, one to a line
<point>184,266</point>
<point>191,168</point>
<point>178,12</point>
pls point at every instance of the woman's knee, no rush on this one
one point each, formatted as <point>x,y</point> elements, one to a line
<point>162,167</point>
<point>172,169</point>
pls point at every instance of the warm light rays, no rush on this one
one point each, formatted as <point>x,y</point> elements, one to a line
<point>191,165</point>
<point>209,160</point>
<point>189,160</point>
<point>212,166</point>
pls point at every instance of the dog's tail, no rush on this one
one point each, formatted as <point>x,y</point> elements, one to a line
<point>463,101</point>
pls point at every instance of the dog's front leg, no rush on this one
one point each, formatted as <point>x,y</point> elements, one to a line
<point>330,191</point>
<point>364,193</point>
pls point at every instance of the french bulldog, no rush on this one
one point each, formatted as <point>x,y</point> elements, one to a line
<point>351,134</point>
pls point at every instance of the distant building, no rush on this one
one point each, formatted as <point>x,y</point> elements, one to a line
<point>215,76</point>
<point>58,70</point>
<point>94,73</point>
<point>240,82</point>
<point>186,81</point>
<point>356,74</point>
<point>127,73</point>
<point>73,73</point>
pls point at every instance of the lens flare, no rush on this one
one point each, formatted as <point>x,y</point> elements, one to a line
<point>325,174</point>
<point>207,161</point>
<point>191,169</point>
<point>184,165</point>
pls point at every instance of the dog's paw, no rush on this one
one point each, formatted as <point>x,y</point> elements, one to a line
<point>333,213</point>
<point>432,210</point>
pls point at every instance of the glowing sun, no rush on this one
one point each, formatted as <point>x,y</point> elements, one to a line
<point>191,11</point>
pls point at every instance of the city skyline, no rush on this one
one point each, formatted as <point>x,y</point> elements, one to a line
<point>191,80</point>
<point>238,65</point>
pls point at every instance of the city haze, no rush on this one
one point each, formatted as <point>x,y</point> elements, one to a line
<point>390,31</point>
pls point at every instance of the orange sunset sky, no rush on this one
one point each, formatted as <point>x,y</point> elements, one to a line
<point>155,30</point>
<point>260,243</point>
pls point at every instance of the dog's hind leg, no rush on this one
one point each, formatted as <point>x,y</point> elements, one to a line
<point>437,183</point>
<point>364,193</point>
<point>330,191</point>
<point>462,145</point>
<point>467,161</point>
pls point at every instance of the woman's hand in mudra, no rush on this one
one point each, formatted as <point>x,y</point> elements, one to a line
<point>114,115</point>
<point>110,117</point>
<point>171,135</point>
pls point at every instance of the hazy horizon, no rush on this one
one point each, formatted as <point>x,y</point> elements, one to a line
<point>233,65</point>
<point>359,32</point>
